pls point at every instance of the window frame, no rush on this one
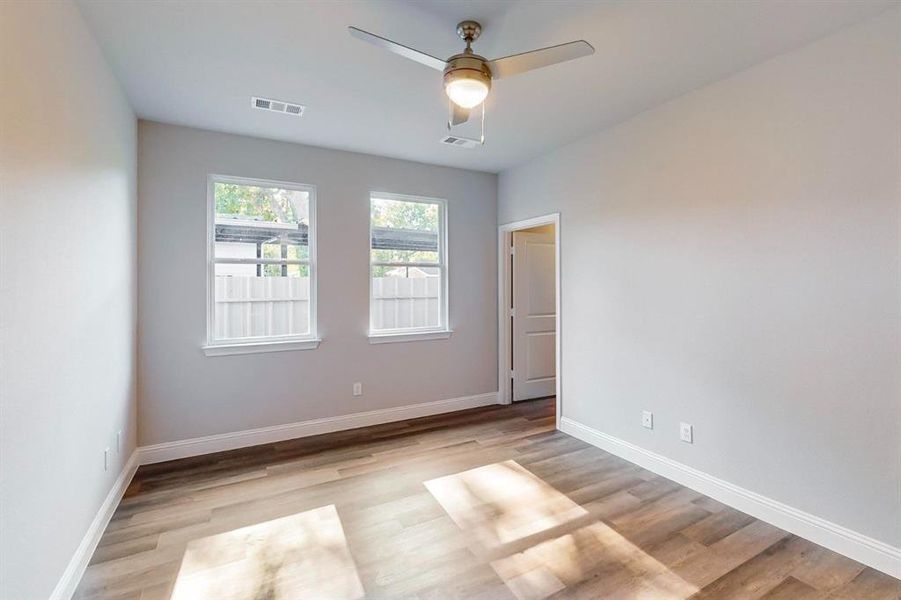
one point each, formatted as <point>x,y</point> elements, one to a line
<point>307,341</point>
<point>409,334</point>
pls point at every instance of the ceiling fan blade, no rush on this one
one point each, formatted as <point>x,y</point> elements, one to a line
<point>527,61</point>
<point>420,57</point>
<point>461,115</point>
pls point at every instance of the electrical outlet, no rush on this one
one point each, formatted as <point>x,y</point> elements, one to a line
<point>106,459</point>
<point>686,433</point>
<point>358,389</point>
<point>119,442</point>
<point>647,419</point>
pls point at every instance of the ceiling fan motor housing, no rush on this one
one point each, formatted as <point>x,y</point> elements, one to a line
<point>467,66</point>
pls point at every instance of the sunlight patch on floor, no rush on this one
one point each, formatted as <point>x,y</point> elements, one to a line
<point>299,556</point>
<point>568,559</point>
<point>503,503</point>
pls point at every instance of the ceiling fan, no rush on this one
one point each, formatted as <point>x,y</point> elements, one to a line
<point>467,76</point>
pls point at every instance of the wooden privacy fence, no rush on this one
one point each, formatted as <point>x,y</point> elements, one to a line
<point>261,306</point>
<point>274,306</point>
<point>401,302</point>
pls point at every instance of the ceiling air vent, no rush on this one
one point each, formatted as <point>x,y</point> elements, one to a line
<point>278,106</point>
<point>462,142</point>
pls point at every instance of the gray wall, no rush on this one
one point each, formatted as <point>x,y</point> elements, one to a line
<point>184,394</point>
<point>67,294</point>
<point>731,259</point>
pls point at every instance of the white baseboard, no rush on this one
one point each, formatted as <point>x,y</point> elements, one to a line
<point>65,588</point>
<point>278,433</point>
<point>859,547</point>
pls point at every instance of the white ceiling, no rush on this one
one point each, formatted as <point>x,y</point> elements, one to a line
<point>198,63</point>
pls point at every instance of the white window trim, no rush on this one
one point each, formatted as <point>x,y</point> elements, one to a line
<point>256,347</point>
<point>443,330</point>
<point>309,341</point>
<point>390,336</point>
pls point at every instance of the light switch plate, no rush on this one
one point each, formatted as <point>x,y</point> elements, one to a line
<point>647,419</point>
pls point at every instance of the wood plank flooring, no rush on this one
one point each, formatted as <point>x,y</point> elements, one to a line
<point>489,503</point>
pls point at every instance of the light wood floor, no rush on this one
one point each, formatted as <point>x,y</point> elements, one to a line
<point>482,504</point>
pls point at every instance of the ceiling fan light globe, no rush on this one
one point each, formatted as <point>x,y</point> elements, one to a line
<point>466,93</point>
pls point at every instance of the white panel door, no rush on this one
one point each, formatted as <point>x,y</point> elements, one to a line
<point>534,315</point>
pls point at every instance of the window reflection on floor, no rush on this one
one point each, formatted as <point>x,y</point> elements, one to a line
<point>502,503</point>
<point>540,541</point>
<point>300,556</point>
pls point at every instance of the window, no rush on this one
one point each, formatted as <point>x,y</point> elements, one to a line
<point>262,266</point>
<point>408,284</point>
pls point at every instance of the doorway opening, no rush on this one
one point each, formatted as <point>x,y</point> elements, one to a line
<point>529,348</point>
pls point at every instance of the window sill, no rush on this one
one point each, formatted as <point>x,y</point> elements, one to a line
<point>413,336</point>
<point>256,347</point>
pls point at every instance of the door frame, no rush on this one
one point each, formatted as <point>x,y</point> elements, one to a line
<point>504,327</point>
